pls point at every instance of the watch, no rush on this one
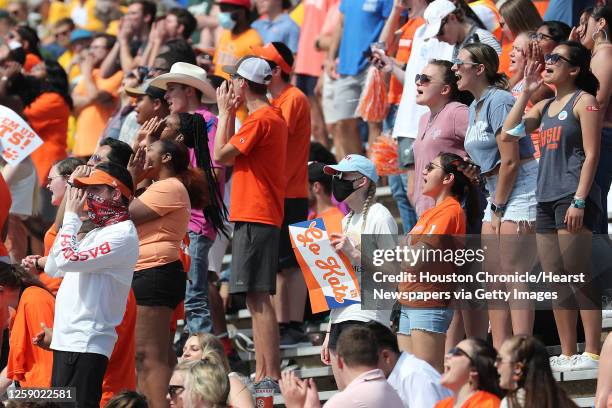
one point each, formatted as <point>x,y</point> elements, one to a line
<point>498,209</point>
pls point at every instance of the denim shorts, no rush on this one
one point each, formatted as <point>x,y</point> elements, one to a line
<point>430,320</point>
<point>522,204</point>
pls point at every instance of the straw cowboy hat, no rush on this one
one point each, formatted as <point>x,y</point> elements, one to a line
<point>190,75</point>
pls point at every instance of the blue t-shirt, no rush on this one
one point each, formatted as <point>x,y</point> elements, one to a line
<point>283,29</point>
<point>363,22</point>
<point>567,11</point>
<point>480,139</point>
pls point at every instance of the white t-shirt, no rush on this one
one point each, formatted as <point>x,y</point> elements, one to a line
<point>379,222</point>
<point>97,274</point>
<point>409,113</point>
<point>417,382</point>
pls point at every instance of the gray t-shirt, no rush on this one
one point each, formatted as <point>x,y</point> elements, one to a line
<point>480,139</point>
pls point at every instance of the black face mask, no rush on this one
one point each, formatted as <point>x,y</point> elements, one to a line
<point>341,189</point>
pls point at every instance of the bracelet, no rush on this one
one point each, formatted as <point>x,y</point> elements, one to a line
<point>578,203</point>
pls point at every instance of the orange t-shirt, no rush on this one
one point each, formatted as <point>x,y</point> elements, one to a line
<point>332,218</point>
<point>5,206</point>
<point>258,189</point>
<point>31,61</point>
<point>92,120</point>
<point>52,284</point>
<point>52,129</point>
<point>403,54</point>
<point>233,47</point>
<point>27,363</point>
<point>434,228</point>
<point>160,239</point>
<point>296,111</point>
<point>504,59</point>
<point>481,399</point>
<point>121,370</point>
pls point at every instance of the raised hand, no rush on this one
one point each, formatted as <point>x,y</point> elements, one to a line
<point>152,127</point>
<point>293,389</point>
<point>381,61</point>
<point>137,165</point>
<point>76,200</point>
<point>533,78</point>
<point>574,35</point>
<point>227,100</point>
<point>81,171</point>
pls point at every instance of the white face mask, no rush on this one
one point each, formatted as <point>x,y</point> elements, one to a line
<point>226,21</point>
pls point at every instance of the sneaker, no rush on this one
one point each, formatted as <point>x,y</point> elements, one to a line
<point>561,363</point>
<point>584,362</point>
<point>291,338</point>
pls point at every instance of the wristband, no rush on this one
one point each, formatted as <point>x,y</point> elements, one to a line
<point>498,209</point>
<point>579,203</point>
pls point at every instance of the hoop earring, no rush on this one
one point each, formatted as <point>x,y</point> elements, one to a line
<point>597,32</point>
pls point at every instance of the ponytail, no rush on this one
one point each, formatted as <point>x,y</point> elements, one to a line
<point>15,277</point>
<point>193,179</point>
<point>485,54</point>
<point>193,128</point>
<point>450,79</point>
<point>462,188</point>
<point>580,57</point>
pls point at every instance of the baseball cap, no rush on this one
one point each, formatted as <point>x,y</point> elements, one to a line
<point>252,68</point>
<point>316,173</point>
<point>80,34</point>
<point>241,3</point>
<point>270,53</point>
<point>354,162</point>
<point>99,177</point>
<point>146,89</point>
<point>434,13</point>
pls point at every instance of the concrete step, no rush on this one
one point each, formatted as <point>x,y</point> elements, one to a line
<point>294,353</point>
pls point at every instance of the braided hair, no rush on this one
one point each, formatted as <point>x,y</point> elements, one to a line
<point>193,129</point>
<point>370,199</point>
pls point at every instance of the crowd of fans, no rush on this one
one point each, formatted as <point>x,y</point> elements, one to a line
<point>175,132</point>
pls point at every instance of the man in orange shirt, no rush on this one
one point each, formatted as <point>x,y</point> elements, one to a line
<point>291,297</point>
<point>237,37</point>
<point>94,97</point>
<point>258,154</point>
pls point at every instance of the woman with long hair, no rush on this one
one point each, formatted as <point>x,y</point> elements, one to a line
<point>469,372</point>
<point>354,182</point>
<point>28,38</point>
<point>205,346</point>
<point>52,129</point>
<point>597,37</point>
<point>510,172</point>
<point>568,200</point>
<point>549,34</point>
<point>161,215</point>
<point>423,324</point>
<point>28,364</point>
<point>517,16</point>
<point>524,372</point>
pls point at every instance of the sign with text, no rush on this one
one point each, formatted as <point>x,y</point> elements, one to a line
<point>329,276</point>
<point>17,139</point>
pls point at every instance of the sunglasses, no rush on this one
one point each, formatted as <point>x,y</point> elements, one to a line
<point>425,79</point>
<point>554,58</point>
<point>458,62</point>
<point>175,390</point>
<point>540,37</point>
<point>456,352</point>
<point>430,166</point>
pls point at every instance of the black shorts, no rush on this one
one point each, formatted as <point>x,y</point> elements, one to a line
<point>296,210</point>
<point>337,328</point>
<point>550,216</point>
<point>82,371</point>
<point>160,286</point>
<point>254,258</point>
<point>306,83</point>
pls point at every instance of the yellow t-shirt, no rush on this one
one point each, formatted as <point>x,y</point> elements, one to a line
<point>233,47</point>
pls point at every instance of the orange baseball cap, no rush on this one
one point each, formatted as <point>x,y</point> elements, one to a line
<point>269,52</point>
<point>98,177</point>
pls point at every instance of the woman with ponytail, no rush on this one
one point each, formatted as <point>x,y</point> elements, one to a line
<point>28,364</point>
<point>568,200</point>
<point>524,372</point>
<point>354,182</point>
<point>510,170</point>
<point>596,35</point>
<point>423,324</point>
<point>161,215</point>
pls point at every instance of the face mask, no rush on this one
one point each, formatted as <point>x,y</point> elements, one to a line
<point>226,21</point>
<point>104,213</point>
<point>341,189</point>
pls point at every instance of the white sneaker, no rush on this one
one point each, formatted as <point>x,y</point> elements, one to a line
<point>606,314</point>
<point>584,362</point>
<point>561,363</point>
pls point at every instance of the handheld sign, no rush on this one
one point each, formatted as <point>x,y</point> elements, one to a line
<point>17,139</point>
<point>329,276</point>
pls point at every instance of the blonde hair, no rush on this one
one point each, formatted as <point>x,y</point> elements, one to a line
<point>520,15</point>
<point>206,380</point>
<point>370,199</point>
<point>212,349</point>
<point>485,54</point>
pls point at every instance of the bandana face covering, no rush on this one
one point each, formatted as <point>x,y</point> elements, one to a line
<point>104,213</point>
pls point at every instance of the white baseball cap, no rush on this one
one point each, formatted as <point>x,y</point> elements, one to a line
<point>434,13</point>
<point>254,69</point>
